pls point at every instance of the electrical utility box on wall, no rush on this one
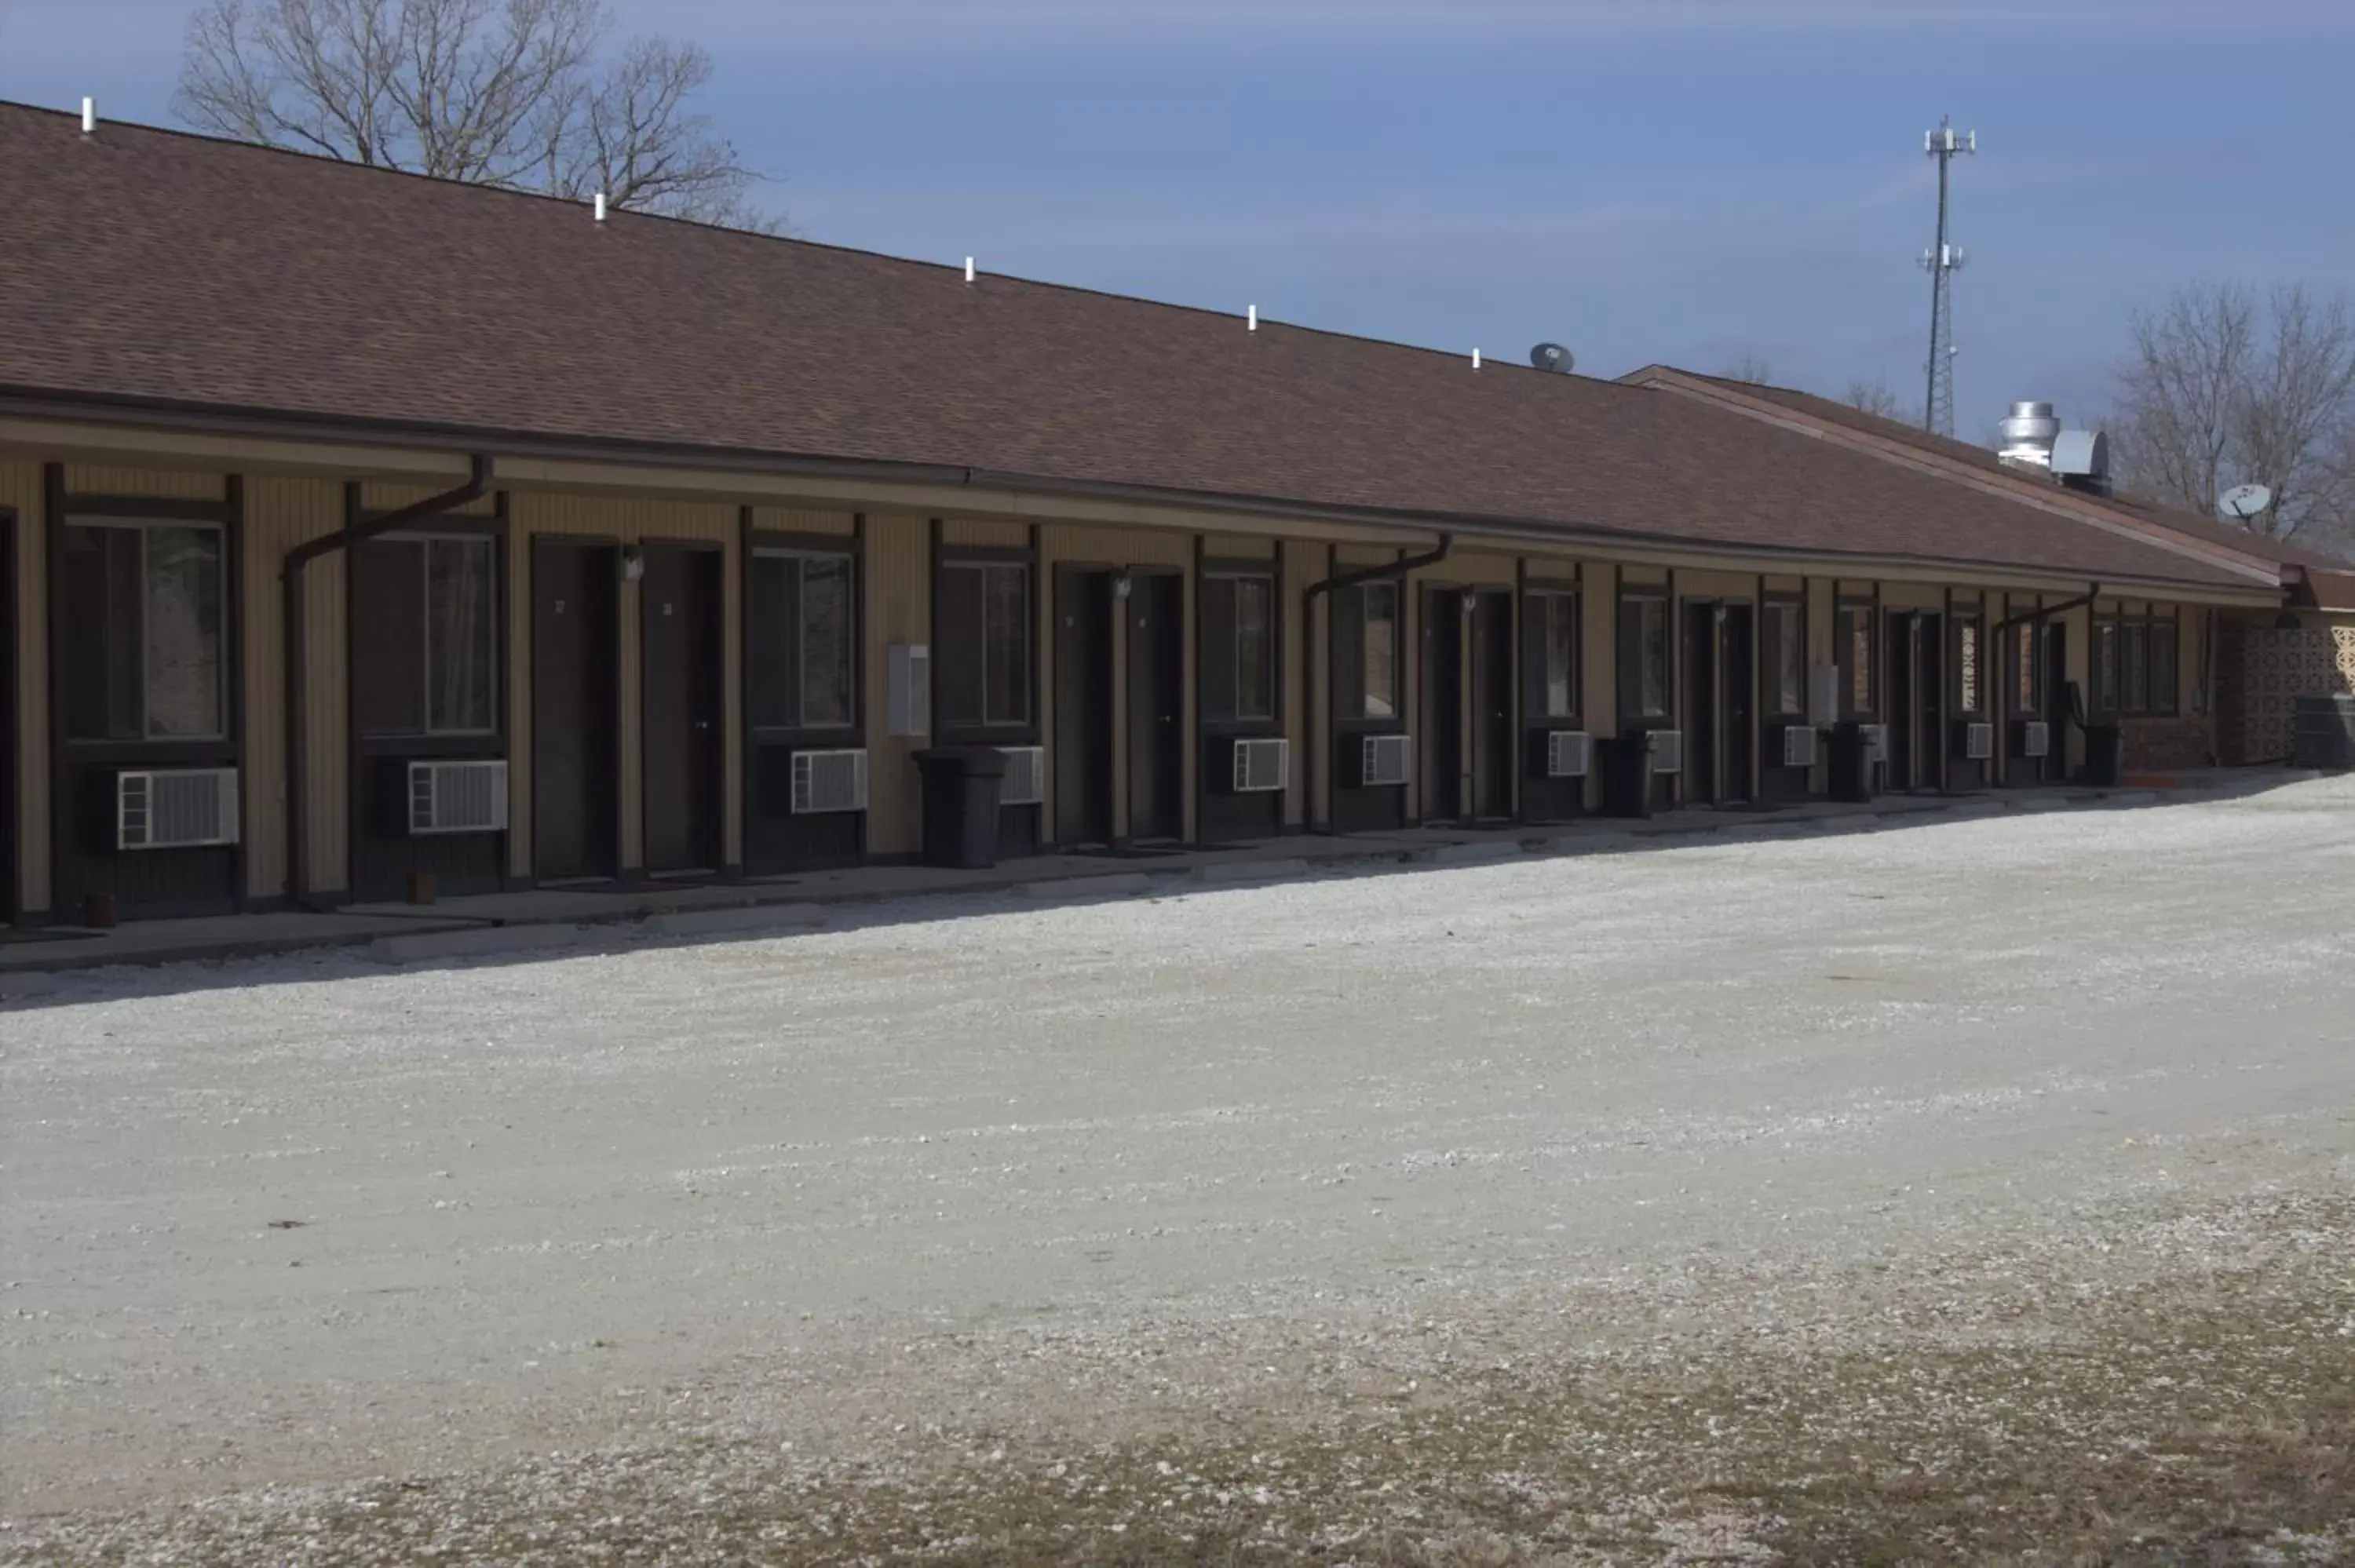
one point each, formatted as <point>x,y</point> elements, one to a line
<point>908,696</point>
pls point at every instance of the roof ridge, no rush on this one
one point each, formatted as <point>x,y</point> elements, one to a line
<point>954,268</point>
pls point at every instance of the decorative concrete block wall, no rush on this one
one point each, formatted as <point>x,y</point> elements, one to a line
<point>2279,665</point>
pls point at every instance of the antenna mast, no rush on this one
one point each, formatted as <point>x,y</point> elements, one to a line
<point>1943,260</point>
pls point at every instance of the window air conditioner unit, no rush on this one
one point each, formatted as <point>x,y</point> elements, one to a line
<point>1569,754</point>
<point>468,797</point>
<point>1979,742</point>
<point>829,781</point>
<point>1383,759</point>
<point>1026,777</point>
<point>1876,741</point>
<point>1262,765</point>
<point>1668,751</point>
<point>1801,743</point>
<point>181,808</point>
<point>2035,739</point>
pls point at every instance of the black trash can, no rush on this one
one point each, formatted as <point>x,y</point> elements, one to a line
<point>2105,754</point>
<point>1627,775</point>
<point>1851,771</point>
<point>961,785</point>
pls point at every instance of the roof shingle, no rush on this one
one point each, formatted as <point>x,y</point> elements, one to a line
<point>151,265</point>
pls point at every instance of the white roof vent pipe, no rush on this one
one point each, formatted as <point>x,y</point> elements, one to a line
<point>2027,434</point>
<point>601,206</point>
<point>90,116</point>
<point>968,269</point>
<point>1250,319</point>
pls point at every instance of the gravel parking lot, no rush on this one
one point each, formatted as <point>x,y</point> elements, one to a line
<point>1686,1204</point>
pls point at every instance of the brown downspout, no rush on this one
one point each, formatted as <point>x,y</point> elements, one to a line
<point>1387,569</point>
<point>290,577</point>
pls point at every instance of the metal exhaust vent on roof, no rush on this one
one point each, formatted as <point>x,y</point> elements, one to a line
<point>2080,459</point>
<point>2027,434</point>
<point>1552,356</point>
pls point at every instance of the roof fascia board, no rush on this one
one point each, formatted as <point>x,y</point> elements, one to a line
<point>2026,491</point>
<point>965,492</point>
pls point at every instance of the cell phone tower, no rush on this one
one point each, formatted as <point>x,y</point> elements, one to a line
<point>1943,260</point>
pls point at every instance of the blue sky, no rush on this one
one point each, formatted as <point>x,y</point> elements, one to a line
<point>1684,180</point>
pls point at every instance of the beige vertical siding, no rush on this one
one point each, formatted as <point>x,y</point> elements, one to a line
<point>280,513</point>
<point>1913,596</point>
<point>1739,587</point>
<point>1237,547</point>
<point>155,483</point>
<point>1317,562</point>
<point>994,535</point>
<point>20,489</point>
<point>1476,567</point>
<point>385,495</point>
<point>899,609</point>
<point>630,521</point>
<point>803,520</point>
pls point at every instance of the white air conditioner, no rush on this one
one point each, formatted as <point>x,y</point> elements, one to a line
<point>1026,777</point>
<point>1262,765</point>
<point>1801,744</point>
<point>1668,751</point>
<point>1979,742</point>
<point>1385,759</point>
<point>829,781</point>
<point>1876,742</point>
<point>2035,739</point>
<point>181,808</point>
<point>1569,754</point>
<point>908,689</point>
<point>468,797</point>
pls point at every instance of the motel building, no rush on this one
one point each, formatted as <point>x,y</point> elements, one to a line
<point>354,525</point>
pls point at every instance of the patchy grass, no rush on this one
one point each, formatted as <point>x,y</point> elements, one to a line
<point>2189,1414</point>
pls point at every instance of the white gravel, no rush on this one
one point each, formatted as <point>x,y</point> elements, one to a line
<point>303,1220</point>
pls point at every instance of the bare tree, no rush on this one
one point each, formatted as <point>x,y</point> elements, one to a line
<point>2223,388</point>
<point>1872,397</point>
<point>518,93</point>
<point>1752,368</point>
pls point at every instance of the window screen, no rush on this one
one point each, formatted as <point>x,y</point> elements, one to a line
<point>143,633</point>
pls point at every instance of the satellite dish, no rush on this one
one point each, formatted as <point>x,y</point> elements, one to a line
<point>1552,357</point>
<point>2243,501</point>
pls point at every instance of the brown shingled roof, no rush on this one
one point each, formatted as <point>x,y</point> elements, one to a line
<point>2142,512</point>
<point>157,267</point>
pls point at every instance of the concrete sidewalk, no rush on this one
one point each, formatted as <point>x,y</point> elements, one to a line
<point>519,922</point>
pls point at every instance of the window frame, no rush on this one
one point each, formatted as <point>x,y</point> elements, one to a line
<point>2129,684</point>
<point>1848,615</point>
<point>1268,575</point>
<point>1634,601</point>
<point>425,538</point>
<point>801,549</point>
<point>989,728</point>
<point>1772,608</point>
<point>2024,658</point>
<point>97,515</point>
<point>1541,601</point>
<point>1357,707</point>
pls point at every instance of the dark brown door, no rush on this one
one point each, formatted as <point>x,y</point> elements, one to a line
<point>1737,730</point>
<point>1930,741</point>
<point>575,757</point>
<point>9,826</point>
<point>1701,718</point>
<point>1083,734</point>
<point>2058,711</point>
<point>1156,706</point>
<point>1901,711</point>
<point>681,628</point>
<point>1441,719</point>
<point>1490,692</point>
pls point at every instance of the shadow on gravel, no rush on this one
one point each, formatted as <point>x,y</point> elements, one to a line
<point>770,911</point>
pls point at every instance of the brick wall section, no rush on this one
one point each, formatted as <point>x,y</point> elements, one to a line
<point>2168,745</point>
<point>2278,665</point>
